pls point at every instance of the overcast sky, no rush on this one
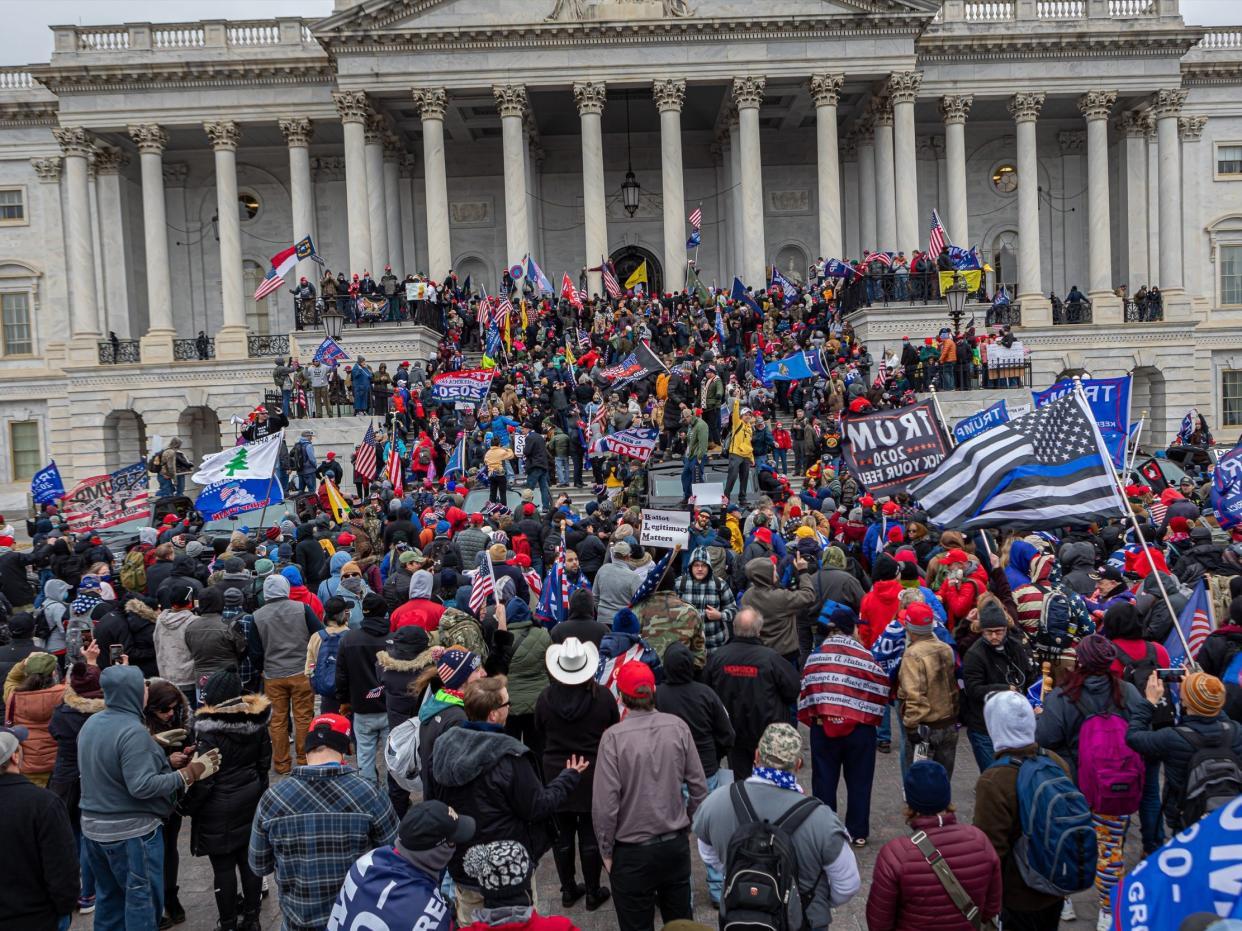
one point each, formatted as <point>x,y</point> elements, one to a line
<point>25,38</point>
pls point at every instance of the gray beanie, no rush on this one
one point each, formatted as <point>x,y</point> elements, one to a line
<point>275,586</point>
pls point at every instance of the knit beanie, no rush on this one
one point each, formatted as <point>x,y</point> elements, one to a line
<point>84,680</point>
<point>1203,694</point>
<point>992,616</point>
<point>1010,720</point>
<point>263,567</point>
<point>626,622</point>
<point>221,686</point>
<point>927,788</point>
<point>1095,654</point>
<point>233,598</point>
<point>885,568</point>
<point>456,666</point>
<point>501,864</point>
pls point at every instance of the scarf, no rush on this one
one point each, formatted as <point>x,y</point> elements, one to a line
<point>450,697</point>
<point>781,778</point>
<point>85,603</point>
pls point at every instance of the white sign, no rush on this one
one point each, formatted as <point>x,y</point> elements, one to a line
<point>1001,357</point>
<point>519,444</point>
<point>1019,410</point>
<point>416,291</point>
<point>707,494</point>
<point>665,528</point>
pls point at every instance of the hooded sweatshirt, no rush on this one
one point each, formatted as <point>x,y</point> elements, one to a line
<point>696,704</point>
<point>299,592</point>
<point>284,628</point>
<point>528,675</point>
<point>56,610</point>
<point>1020,555</point>
<point>357,675</point>
<point>328,587</point>
<point>172,655</point>
<point>128,788</point>
<point>421,610</point>
<point>879,607</point>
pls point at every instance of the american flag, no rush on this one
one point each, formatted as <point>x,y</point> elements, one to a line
<point>1195,624</point>
<point>651,581</point>
<point>584,339</point>
<point>582,297</point>
<point>882,257</point>
<point>533,580</point>
<point>393,469</point>
<point>696,218</point>
<point>936,239</point>
<point>271,282</point>
<point>365,461</point>
<point>480,590</point>
<point>611,285</point>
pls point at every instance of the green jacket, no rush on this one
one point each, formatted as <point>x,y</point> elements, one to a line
<point>696,438</point>
<point>715,395</point>
<point>560,444</point>
<point>528,676</point>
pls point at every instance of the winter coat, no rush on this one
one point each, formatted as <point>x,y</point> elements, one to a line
<point>780,607</point>
<point>879,607</point>
<point>571,720</point>
<point>756,685</point>
<point>666,619</point>
<point>67,720</point>
<point>986,669</point>
<point>1078,563</point>
<point>927,683</point>
<point>535,922</point>
<point>1058,726</point>
<point>33,711</point>
<point>214,644</point>
<point>906,894</point>
<point>222,807</point>
<point>397,588</point>
<point>172,656</point>
<point>613,587</point>
<point>528,676</point>
<point>697,705</point>
<point>133,627</point>
<point>397,675</point>
<point>1215,655</point>
<point>357,676</point>
<point>42,884</point>
<point>15,651</point>
<point>437,716</point>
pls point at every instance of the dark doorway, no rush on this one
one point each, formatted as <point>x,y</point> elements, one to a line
<point>628,258</point>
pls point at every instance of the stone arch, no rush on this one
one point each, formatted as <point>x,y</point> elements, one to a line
<point>478,269</point>
<point>792,258</point>
<point>199,428</point>
<point>627,258</point>
<point>1148,393</point>
<point>124,439</point>
<point>1073,362</point>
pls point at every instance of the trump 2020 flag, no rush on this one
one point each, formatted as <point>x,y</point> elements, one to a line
<point>330,353</point>
<point>250,460</point>
<point>636,442</point>
<point>835,268</point>
<point>739,294</point>
<point>47,486</point>
<point>223,500</point>
<point>1227,489</point>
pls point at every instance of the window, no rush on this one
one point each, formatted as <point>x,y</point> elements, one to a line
<point>15,316</point>
<point>1231,398</point>
<point>248,204</point>
<point>27,457</point>
<point>257,317</point>
<point>1005,179</point>
<point>1229,159</point>
<point>1231,274</point>
<point>12,206</point>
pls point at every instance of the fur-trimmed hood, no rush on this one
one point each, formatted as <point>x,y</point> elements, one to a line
<point>244,717</point>
<point>397,665</point>
<point>141,609</point>
<point>73,700</point>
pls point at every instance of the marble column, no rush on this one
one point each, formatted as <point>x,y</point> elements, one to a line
<point>1096,107</point>
<point>1036,308</point>
<point>867,200</point>
<point>903,90</point>
<point>432,102</point>
<point>1153,204</point>
<point>298,131</point>
<point>724,203</point>
<point>377,216</point>
<point>392,204</point>
<point>1133,126</point>
<point>590,98</point>
<point>1165,108</point>
<point>157,342</point>
<point>954,109</point>
<point>826,93</point>
<point>669,96</point>
<point>1190,128</point>
<point>885,174</point>
<point>113,255</point>
<point>354,111</point>
<point>850,246</point>
<point>748,97</point>
<point>77,146</point>
<point>511,102</point>
<point>735,202</point>
<point>231,337</point>
<point>53,294</point>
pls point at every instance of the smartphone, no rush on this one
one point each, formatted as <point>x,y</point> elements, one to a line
<point>115,652</point>
<point>1170,675</point>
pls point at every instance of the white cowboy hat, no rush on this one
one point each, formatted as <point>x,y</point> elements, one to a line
<point>572,662</point>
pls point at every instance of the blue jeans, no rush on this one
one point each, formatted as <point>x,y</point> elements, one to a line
<point>538,478</point>
<point>782,460</point>
<point>947,381</point>
<point>129,882</point>
<point>715,878</point>
<point>854,757</point>
<point>885,730</point>
<point>88,878</point>
<point>1150,822</point>
<point>985,753</point>
<point>286,398</point>
<point>371,734</point>
<point>562,470</point>
<point>689,470</point>
<point>167,487</point>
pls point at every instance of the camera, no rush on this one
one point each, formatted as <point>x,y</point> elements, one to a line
<point>1170,675</point>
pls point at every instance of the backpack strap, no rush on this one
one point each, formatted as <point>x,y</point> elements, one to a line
<point>795,816</point>
<point>742,807</point>
<point>1193,737</point>
<point>961,898</point>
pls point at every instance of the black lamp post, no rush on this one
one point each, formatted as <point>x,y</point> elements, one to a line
<point>630,191</point>
<point>333,322</point>
<point>955,297</point>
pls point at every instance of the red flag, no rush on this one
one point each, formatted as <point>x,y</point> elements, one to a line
<point>569,292</point>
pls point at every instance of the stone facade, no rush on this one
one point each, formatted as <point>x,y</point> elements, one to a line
<point>1095,143</point>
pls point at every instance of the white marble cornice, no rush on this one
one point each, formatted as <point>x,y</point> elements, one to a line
<point>1033,45</point>
<point>260,72</point>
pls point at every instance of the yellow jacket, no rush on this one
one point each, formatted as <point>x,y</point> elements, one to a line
<point>740,433</point>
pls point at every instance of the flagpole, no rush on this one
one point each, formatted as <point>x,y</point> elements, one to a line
<point>940,416</point>
<point>1132,449</point>
<point>270,479</point>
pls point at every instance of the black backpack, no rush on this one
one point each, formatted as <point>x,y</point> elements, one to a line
<point>1137,672</point>
<point>761,868</point>
<point>1055,622</point>
<point>1213,775</point>
<point>297,457</point>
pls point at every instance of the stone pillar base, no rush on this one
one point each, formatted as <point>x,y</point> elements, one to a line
<point>157,346</point>
<point>231,343</point>
<point>83,349</point>
<point>1177,305</point>
<point>1106,307</point>
<point>1036,310</point>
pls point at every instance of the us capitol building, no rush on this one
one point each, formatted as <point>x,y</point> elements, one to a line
<point>149,171</point>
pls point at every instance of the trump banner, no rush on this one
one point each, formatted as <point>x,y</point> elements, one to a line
<point>47,487</point>
<point>226,500</point>
<point>470,385</point>
<point>891,450</point>
<point>1227,489</point>
<point>636,442</point>
<point>107,500</point>
<point>981,422</point>
<point>1109,400</point>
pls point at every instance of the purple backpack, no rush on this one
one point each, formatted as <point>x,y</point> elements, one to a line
<point>1110,774</point>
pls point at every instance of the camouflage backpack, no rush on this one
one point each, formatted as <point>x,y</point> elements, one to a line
<point>457,628</point>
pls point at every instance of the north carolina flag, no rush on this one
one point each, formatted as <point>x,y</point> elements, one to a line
<point>284,262</point>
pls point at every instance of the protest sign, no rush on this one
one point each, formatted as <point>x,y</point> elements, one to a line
<point>707,494</point>
<point>416,291</point>
<point>107,500</point>
<point>665,528</point>
<point>468,385</point>
<point>891,450</point>
<point>519,444</point>
<point>636,442</point>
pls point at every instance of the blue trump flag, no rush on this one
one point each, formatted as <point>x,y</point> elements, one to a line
<point>1109,400</point>
<point>815,362</point>
<point>329,353</point>
<point>223,500</point>
<point>47,487</point>
<point>720,328</point>
<point>739,294</point>
<point>835,268</point>
<point>761,368</point>
<point>788,289</point>
<point>1226,489</point>
<point>791,368</point>
<point>978,423</point>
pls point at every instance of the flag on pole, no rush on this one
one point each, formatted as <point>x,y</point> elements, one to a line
<point>481,589</point>
<point>284,262</point>
<point>584,340</point>
<point>761,374</point>
<point>569,292</point>
<point>936,239</point>
<point>47,487</point>
<point>537,277</point>
<point>720,328</point>
<point>788,288</point>
<point>696,218</point>
<point>1188,427</point>
<point>393,470</point>
<point>883,258</point>
<point>336,501</point>
<point>457,461</point>
<point>695,286</point>
<point>637,277</point>
<point>609,273</point>
<point>651,581</point>
<point>330,352</point>
<point>250,460</point>
<point>695,240</point>
<point>365,463</point>
<point>1195,624</point>
<point>739,294</point>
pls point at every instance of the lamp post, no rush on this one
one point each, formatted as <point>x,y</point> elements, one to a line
<point>955,297</point>
<point>333,322</point>
<point>629,187</point>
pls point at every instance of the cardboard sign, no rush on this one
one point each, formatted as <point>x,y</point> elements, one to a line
<point>707,494</point>
<point>416,291</point>
<point>665,528</point>
<point>519,444</point>
<point>891,450</point>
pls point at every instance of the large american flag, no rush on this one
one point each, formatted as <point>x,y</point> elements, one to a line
<point>393,468</point>
<point>272,281</point>
<point>936,239</point>
<point>365,463</point>
<point>611,285</point>
<point>481,589</point>
<point>696,218</point>
<point>1195,625</point>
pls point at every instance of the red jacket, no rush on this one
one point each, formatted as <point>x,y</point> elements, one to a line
<point>879,606</point>
<point>421,612</point>
<point>959,599</point>
<point>307,597</point>
<point>905,893</point>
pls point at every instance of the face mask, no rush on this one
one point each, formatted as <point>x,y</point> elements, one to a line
<point>352,585</point>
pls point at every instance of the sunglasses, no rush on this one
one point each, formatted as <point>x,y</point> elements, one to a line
<point>351,575</point>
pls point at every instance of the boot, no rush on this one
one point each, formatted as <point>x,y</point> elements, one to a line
<point>174,914</point>
<point>249,922</point>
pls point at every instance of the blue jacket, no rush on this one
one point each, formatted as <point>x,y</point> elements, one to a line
<point>410,896</point>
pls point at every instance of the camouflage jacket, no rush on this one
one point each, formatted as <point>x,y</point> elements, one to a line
<point>666,618</point>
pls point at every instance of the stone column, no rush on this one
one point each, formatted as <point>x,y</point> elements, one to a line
<point>1134,127</point>
<point>231,337</point>
<point>157,342</point>
<point>377,216</point>
<point>113,260</point>
<point>735,202</point>
<point>747,97</point>
<point>903,89</point>
<point>669,96</point>
<point>850,247</point>
<point>511,102</point>
<point>885,174</point>
<point>826,92</point>
<point>954,109</point>
<point>1153,204</point>
<point>1096,106</point>
<point>77,146</point>
<point>53,294</point>
<point>1036,309</point>
<point>867,198</point>
<point>432,102</point>
<point>297,131</point>
<point>724,143</point>
<point>352,106</point>
<point>1190,128</point>
<point>590,98</point>
<point>1165,108</point>
<point>392,204</point>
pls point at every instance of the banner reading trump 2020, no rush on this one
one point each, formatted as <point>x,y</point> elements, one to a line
<point>471,385</point>
<point>890,450</point>
<point>107,500</point>
<point>1227,489</point>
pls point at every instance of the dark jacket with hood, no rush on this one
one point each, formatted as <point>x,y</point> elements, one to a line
<point>494,778</point>
<point>157,574</point>
<point>572,719</point>
<point>756,684</point>
<point>1057,728</point>
<point>397,675</point>
<point>133,627</point>
<point>42,884</point>
<point>357,676</point>
<point>528,676</point>
<point>397,588</point>
<point>1078,561</point>
<point>987,669</point>
<point>696,704</point>
<point>223,806</point>
<point>213,642</point>
<point>1157,622</point>
<point>1215,656</point>
<point>312,557</point>
<point>68,718</point>
<point>1202,558</point>
<point>16,650</point>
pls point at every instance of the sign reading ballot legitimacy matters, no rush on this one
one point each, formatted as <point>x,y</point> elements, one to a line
<point>891,450</point>
<point>665,528</point>
<point>981,422</point>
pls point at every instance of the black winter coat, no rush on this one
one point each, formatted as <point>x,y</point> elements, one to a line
<point>134,629</point>
<point>572,719</point>
<point>591,554</point>
<point>756,685</point>
<point>14,582</point>
<point>397,675</point>
<point>696,704</point>
<point>396,589</point>
<point>13,653</point>
<point>536,452</point>
<point>314,561</point>
<point>1214,656</point>
<point>42,883</point>
<point>357,676</point>
<point>986,670</point>
<point>222,807</point>
<point>157,573</point>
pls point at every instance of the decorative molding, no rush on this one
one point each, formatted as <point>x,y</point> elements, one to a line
<point>1045,45</point>
<point>406,166</point>
<point>788,203</point>
<point>1135,124</point>
<point>669,95</point>
<point>747,92</point>
<point>184,76</point>
<point>17,114</point>
<point>224,134</point>
<point>954,108</point>
<point>108,161</point>
<point>297,130</point>
<point>472,213</point>
<point>510,99</point>
<point>328,168</point>
<point>881,111</point>
<point>1190,128</point>
<point>1072,141</point>
<point>394,148</point>
<point>865,128</point>
<point>374,128</point>
<point>1097,105</point>
<point>589,97</point>
<point>175,174</point>
<point>1025,107</point>
<point>47,169</point>
<point>826,89</point>
<point>1167,103</point>
<point>352,106</point>
<point>75,141</point>
<point>432,102</point>
<point>150,138</point>
<point>903,86</point>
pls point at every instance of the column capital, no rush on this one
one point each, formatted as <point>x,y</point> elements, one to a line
<point>431,102</point>
<point>748,91</point>
<point>1025,107</point>
<point>849,147</point>
<point>406,166</point>
<point>351,105</point>
<point>47,169</point>
<point>393,148</point>
<point>374,128</point>
<point>224,135</point>
<point>589,97</point>
<point>176,173</point>
<point>669,95</point>
<point>1134,124</point>
<point>297,131</point>
<point>903,86</point>
<point>881,111</point>
<point>75,141</point>
<point>1190,128</point>
<point>865,127</point>
<point>1072,141</point>
<point>149,137</point>
<point>826,89</point>
<point>108,161</point>
<point>955,107</point>
<point>1167,103</point>
<point>1097,105</point>
<point>510,99</point>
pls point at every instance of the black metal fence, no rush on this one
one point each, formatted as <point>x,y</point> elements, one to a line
<point>966,376</point>
<point>1148,310</point>
<point>1070,313</point>
<point>1004,315</point>
<point>122,351</point>
<point>267,345</point>
<point>200,348</point>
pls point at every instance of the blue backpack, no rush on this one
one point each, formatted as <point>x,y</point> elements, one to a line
<point>1056,853</point>
<point>323,676</point>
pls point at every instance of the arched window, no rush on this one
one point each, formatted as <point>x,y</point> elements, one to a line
<point>1225,236</point>
<point>792,262</point>
<point>257,317</point>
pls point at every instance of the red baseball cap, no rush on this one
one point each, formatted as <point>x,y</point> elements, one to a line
<point>345,539</point>
<point>636,680</point>
<point>329,730</point>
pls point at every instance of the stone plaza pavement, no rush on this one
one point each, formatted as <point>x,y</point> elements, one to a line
<point>886,823</point>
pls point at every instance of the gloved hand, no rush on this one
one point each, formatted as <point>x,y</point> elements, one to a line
<point>201,767</point>
<point>172,739</point>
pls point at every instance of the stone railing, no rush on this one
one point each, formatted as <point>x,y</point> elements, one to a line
<point>15,79</point>
<point>176,37</point>
<point>261,346</point>
<point>1003,11</point>
<point>1222,38</point>
<point>990,11</point>
<point>120,352</point>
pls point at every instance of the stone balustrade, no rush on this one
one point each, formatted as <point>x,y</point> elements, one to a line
<point>176,37</point>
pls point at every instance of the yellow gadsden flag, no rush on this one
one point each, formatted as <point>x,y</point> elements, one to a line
<point>639,276</point>
<point>336,501</point>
